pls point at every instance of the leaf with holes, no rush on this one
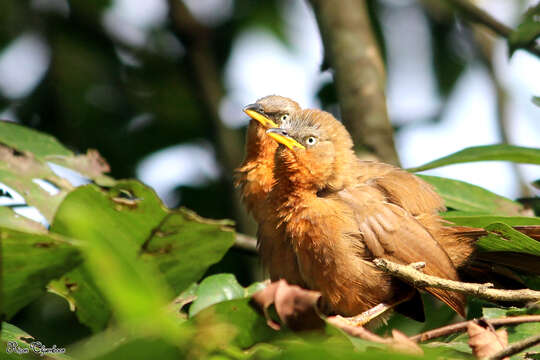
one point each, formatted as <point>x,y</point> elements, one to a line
<point>128,223</point>
<point>27,158</point>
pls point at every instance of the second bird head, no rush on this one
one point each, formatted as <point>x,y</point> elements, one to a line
<point>272,111</point>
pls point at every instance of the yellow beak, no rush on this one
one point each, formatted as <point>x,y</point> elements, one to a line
<point>281,137</point>
<point>256,112</point>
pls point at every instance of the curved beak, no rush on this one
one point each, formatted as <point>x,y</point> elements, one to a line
<point>281,136</point>
<point>256,112</point>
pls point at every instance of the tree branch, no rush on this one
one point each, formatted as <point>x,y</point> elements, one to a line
<point>359,75</point>
<point>198,40</point>
<point>477,15</point>
<point>485,291</point>
<point>462,326</point>
<point>516,347</point>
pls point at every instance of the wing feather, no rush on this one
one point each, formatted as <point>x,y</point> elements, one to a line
<point>391,232</point>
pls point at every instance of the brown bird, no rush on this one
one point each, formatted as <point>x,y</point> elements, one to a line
<point>255,176</point>
<point>331,218</point>
<point>398,187</point>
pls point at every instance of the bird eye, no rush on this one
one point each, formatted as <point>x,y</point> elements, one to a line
<point>284,117</point>
<point>311,140</point>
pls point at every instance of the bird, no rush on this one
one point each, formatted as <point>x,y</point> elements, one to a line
<point>254,177</point>
<point>398,187</point>
<point>329,219</point>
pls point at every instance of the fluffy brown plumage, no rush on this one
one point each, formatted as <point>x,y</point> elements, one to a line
<point>255,176</point>
<point>332,214</point>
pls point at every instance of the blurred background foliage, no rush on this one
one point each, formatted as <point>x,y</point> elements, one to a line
<point>157,87</point>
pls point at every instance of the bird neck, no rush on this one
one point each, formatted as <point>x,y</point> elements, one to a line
<point>293,180</point>
<point>289,197</point>
<point>259,146</point>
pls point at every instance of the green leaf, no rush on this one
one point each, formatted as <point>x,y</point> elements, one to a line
<point>493,313</point>
<point>129,235</point>
<point>17,345</point>
<point>11,220</point>
<point>517,154</point>
<point>24,163</point>
<point>218,288</point>
<point>463,196</point>
<point>502,237</point>
<point>20,173</point>
<point>523,331</point>
<point>245,325</point>
<point>84,298</point>
<point>527,31</point>
<point>112,228</point>
<point>184,246</point>
<point>30,261</point>
<point>28,140</point>
<point>481,221</point>
<point>117,343</point>
<point>136,349</point>
<point>536,100</point>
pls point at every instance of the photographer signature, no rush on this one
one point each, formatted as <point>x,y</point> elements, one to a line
<point>36,347</point>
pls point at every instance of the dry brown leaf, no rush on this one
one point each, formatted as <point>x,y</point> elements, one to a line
<point>399,341</point>
<point>296,307</point>
<point>486,342</point>
<point>402,343</point>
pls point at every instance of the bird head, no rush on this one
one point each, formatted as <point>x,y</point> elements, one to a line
<point>315,150</point>
<point>271,111</point>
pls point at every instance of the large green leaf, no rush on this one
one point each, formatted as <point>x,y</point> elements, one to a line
<point>142,247</point>
<point>504,152</point>
<point>112,229</point>
<point>29,262</point>
<point>184,246</point>
<point>527,31</point>
<point>17,345</point>
<point>502,237</point>
<point>463,196</point>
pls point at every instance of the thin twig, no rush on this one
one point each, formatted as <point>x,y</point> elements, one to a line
<point>516,347</point>
<point>462,326</point>
<point>484,291</point>
<point>198,40</point>
<point>476,14</point>
<point>246,242</point>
